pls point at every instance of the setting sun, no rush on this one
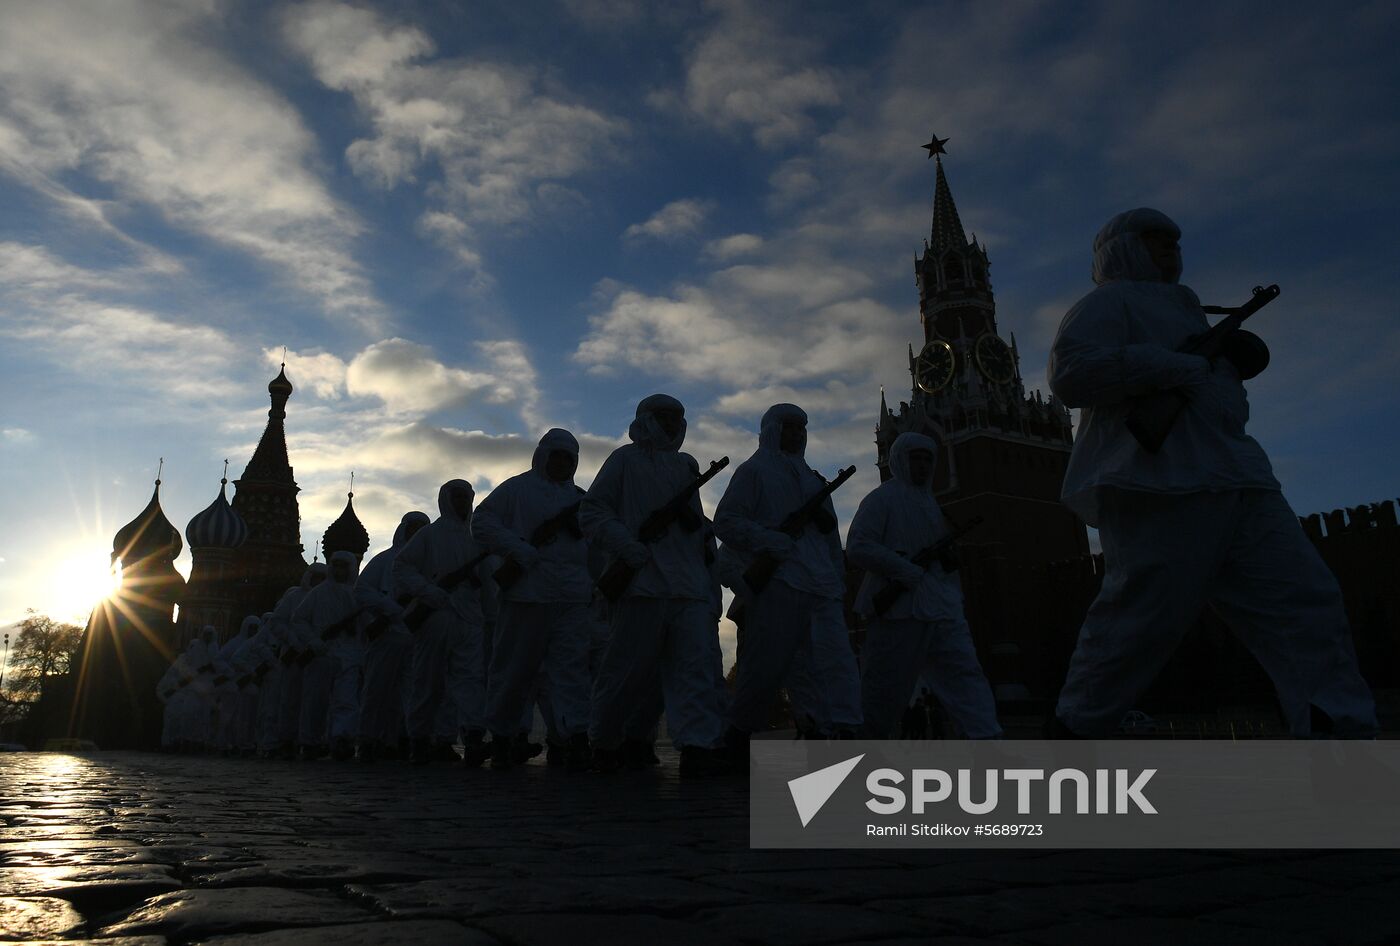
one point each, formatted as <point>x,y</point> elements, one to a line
<point>75,586</point>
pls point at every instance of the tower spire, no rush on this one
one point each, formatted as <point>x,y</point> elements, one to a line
<point>948,230</point>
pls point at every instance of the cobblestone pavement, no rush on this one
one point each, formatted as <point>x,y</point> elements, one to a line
<point>126,848</point>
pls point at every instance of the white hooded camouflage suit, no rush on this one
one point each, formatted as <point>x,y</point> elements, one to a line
<point>1200,522</point>
<point>924,632</point>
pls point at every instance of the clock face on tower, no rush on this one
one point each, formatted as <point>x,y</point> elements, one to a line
<point>933,369</point>
<point>994,359</point>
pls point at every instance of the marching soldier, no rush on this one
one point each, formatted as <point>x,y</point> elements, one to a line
<point>923,629</point>
<point>1200,520</point>
<point>777,508</point>
<point>663,622</point>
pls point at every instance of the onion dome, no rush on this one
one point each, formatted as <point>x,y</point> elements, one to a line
<point>217,526</point>
<point>346,534</point>
<point>280,386</point>
<point>149,535</point>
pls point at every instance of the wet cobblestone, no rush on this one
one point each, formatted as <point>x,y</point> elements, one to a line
<point>141,850</point>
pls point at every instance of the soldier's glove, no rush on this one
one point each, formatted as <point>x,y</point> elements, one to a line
<point>910,577</point>
<point>778,545</point>
<point>635,555</point>
<point>436,597</point>
<point>1247,352</point>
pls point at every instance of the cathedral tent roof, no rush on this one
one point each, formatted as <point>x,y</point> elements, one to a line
<point>269,463</point>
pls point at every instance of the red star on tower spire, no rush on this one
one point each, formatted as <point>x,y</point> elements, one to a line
<point>935,146</point>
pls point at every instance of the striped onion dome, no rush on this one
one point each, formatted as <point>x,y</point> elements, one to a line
<point>346,534</point>
<point>217,526</point>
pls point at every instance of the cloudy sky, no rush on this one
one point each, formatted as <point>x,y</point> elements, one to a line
<point>469,223</point>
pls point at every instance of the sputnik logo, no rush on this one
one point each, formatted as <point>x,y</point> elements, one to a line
<point>812,791</point>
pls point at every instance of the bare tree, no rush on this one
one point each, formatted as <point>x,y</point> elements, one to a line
<point>43,649</point>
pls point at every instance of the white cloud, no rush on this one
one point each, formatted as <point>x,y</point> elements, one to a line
<point>488,133</point>
<point>29,268</point>
<point>409,379</point>
<point>15,435</point>
<point>792,182</point>
<point>132,95</point>
<point>322,372</point>
<point>832,397</point>
<point>748,325</point>
<point>730,247</point>
<point>679,218</point>
<point>749,71</point>
<point>57,308</point>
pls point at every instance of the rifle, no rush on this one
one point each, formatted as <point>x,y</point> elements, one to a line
<point>1152,415</point>
<point>344,626</point>
<point>418,613</point>
<point>677,509</point>
<point>546,532</point>
<point>937,552</point>
<point>381,624</point>
<point>764,564</point>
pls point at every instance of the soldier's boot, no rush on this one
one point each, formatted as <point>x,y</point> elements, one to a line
<point>606,761</point>
<point>474,749</point>
<point>578,757</point>
<point>420,751</point>
<point>500,751</point>
<point>522,750</point>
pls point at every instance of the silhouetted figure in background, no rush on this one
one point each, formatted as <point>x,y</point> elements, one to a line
<point>1201,521</point>
<point>231,698</point>
<point>543,627</point>
<point>923,631</point>
<point>795,623</point>
<point>389,647</point>
<point>447,661</point>
<point>286,717</point>
<point>324,622</point>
